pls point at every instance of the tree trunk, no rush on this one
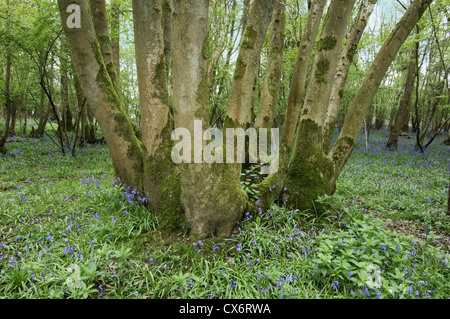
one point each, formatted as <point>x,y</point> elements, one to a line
<point>161,178</point>
<point>101,94</point>
<point>311,168</point>
<point>297,89</point>
<point>212,197</point>
<point>343,68</point>
<point>432,110</point>
<point>447,140</point>
<point>403,112</point>
<point>313,172</point>
<point>43,119</point>
<point>269,93</point>
<point>8,109</point>
<point>87,122</point>
<point>115,37</point>
<point>102,30</point>
<point>12,125</point>
<point>241,99</point>
<point>167,20</point>
<point>272,185</point>
<point>8,106</point>
<point>67,123</point>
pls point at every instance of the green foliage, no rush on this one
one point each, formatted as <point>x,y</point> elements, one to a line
<point>70,231</point>
<point>249,181</point>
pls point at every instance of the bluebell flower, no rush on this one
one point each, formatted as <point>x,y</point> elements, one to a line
<point>335,284</point>
<point>366,291</point>
<point>410,290</point>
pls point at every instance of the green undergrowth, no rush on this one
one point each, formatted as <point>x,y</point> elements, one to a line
<point>69,230</point>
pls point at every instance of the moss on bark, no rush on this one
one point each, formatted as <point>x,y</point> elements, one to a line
<point>123,126</point>
<point>322,67</point>
<point>310,170</point>
<point>326,43</point>
<point>249,38</point>
<point>240,68</point>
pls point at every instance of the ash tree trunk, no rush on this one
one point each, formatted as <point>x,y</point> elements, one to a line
<point>8,106</point>
<point>212,198</point>
<point>269,94</point>
<point>271,187</point>
<point>161,178</point>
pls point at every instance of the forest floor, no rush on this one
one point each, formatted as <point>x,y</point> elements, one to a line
<point>69,230</point>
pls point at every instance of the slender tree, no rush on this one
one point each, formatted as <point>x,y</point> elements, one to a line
<point>272,76</point>
<point>161,179</point>
<point>8,106</point>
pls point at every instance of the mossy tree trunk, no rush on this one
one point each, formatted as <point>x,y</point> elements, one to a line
<point>269,94</point>
<point>242,93</point>
<point>313,169</point>
<point>115,37</point>
<point>297,89</point>
<point>310,168</point>
<point>101,92</point>
<point>161,178</point>
<point>212,198</point>
<point>241,99</point>
<point>167,25</point>
<point>210,194</point>
<point>102,30</point>
<point>271,187</point>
